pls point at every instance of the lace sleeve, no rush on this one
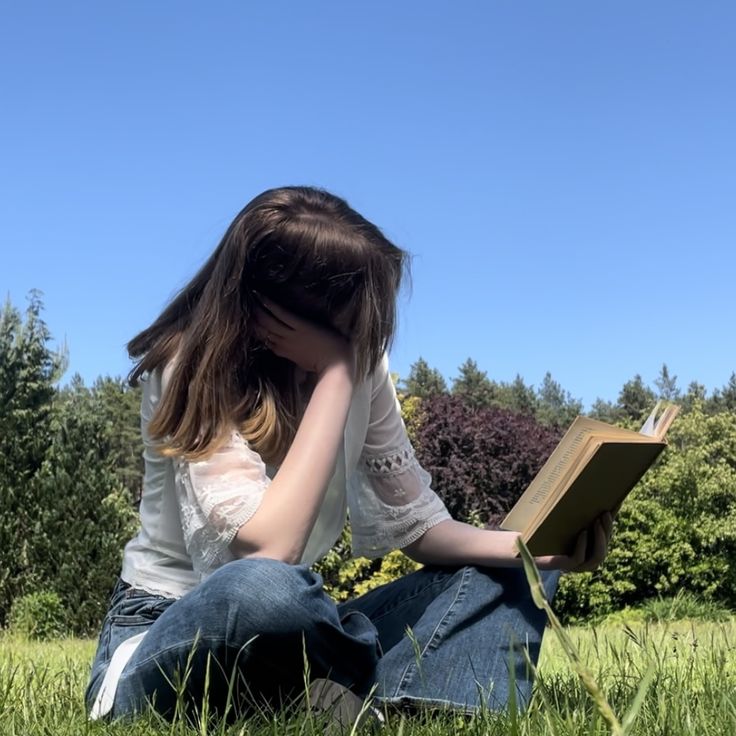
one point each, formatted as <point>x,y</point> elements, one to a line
<point>391,499</point>
<point>216,497</point>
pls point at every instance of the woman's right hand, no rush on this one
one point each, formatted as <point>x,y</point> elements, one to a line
<point>310,346</point>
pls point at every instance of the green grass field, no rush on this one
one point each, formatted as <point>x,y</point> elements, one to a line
<point>692,667</point>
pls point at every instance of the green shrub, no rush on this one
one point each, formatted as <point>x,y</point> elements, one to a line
<point>38,615</point>
<point>683,606</point>
<point>346,577</point>
<point>676,531</point>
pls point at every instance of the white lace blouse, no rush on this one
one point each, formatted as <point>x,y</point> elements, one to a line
<point>191,511</point>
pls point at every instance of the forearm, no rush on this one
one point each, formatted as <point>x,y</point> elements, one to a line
<point>284,520</point>
<point>455,543</point>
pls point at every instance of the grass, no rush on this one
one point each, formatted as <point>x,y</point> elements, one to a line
<point>692,666</point>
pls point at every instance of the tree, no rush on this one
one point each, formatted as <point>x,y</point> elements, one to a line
<point>695,394</point>
<point>517,396</point>
<point>556,406</point>
<point>724,399</point>
<point>424,381</point>
<point>119,408</point>
<point>605,411</point>
<point>635,400</point>
<point>474,386</point>
<point>667,385</point>
<point>86,512</point>
<point>29,369</point>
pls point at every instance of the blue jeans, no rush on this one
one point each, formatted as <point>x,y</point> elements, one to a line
<point>439,636</point>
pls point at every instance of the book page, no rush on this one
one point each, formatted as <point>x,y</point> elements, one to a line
<point>659,421</point>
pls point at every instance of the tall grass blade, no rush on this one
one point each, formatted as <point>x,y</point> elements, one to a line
<point>585,675</point>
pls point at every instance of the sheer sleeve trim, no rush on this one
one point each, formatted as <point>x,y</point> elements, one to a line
<point>216,497</point>
<point>394,503</point>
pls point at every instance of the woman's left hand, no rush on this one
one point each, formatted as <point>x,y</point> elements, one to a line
<point>586,557</point>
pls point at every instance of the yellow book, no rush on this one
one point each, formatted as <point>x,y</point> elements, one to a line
<point>591,471</point>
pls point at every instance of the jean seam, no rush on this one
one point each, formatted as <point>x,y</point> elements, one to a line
<point>411,668</point>
<point>391,608</point>
<point>153,657</point>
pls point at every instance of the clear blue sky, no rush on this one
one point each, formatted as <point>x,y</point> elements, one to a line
<point>563,172</point>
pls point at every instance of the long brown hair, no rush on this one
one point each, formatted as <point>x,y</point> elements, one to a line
<point>307,250</point>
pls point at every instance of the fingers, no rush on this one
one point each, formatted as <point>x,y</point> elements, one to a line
<point>270,326</point>
<point>601,534</point>
<point>566,562</point>
<point>583,558</point>
<point>607,521</point>
<point>286,318</point>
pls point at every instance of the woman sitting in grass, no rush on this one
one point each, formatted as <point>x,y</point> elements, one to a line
<point>268,416</point>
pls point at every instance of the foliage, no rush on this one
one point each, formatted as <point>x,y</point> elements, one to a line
<point>411,411</point>
<point>667,385</point>
<point>677,530</point>
<point>118,407</point>
<point>680,607</point>
<point>424,381</point>
<point>474,386</point>
<point>86,511</point>
<point>480,460</point>
<point>38,616</point>
<point>517,396</point>
<point>66,511</point>
<point>635,399</point>
<point>555,405</point>
<point>28,372</point>
<point>346,577</point>
<point>724,399</point>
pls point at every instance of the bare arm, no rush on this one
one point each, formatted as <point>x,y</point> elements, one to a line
<point>284,520</point>
<point>455,543</point>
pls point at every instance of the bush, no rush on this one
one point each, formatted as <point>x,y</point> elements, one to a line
<point>676,531</point>
<point>38,615</point>
<point>481,460</point>
<point>346,577</point>
<point>683,606</point>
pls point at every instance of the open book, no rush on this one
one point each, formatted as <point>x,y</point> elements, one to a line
<point>591,471</point>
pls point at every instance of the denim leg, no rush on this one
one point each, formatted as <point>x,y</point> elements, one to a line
<point>468,629</point>
<point>255,620</point>
<point>130,612</point>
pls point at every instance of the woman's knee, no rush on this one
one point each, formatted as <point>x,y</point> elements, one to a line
<point>269,594</point>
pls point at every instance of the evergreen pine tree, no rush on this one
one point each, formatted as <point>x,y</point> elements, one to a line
<point>556,406</point>
<point>667,385</point>
<point>695,394</point>
<point>636,399</point>
<point>517,396</point>
<point>724,399</point>
<point>474,386</point>
<point>29,369</point>
<point>86,514</point>
<point>424,381</point>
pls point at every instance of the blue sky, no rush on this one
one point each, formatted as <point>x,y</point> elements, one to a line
<point>563,173</point>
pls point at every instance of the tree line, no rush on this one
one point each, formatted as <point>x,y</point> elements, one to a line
<point>71,474</point>
<point>550,404</point>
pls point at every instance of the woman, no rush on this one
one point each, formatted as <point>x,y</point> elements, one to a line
<point>268,415</point>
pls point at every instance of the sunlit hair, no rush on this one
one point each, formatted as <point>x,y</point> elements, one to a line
<point>308,251</point>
